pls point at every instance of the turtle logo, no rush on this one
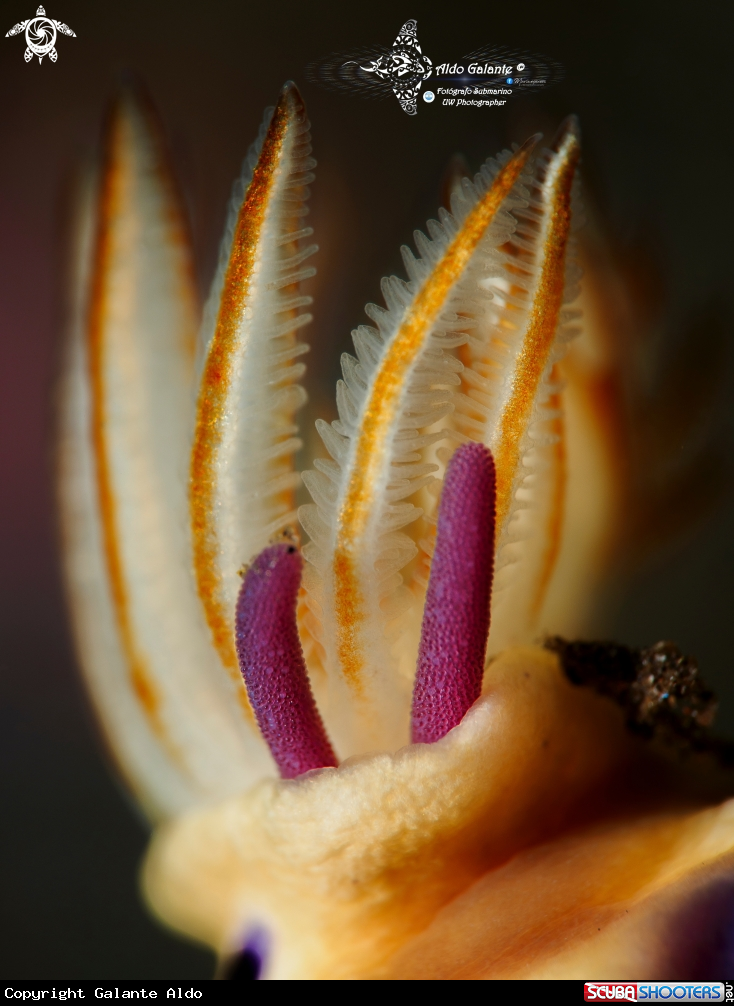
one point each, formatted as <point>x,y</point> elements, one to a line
<point>405,67</point>
<point>40,35</point>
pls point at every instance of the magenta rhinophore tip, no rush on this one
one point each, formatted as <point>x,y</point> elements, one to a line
<point>272,664</point>
<point>456,617</point>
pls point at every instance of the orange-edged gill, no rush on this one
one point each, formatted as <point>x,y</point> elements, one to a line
<point>111,195</point>
<point>540,334</point>
<point>255,287</point>
<point>379,412</point>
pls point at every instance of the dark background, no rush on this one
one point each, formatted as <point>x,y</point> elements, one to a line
<point>652,84</point>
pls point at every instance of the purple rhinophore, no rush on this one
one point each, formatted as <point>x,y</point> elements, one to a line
<point>272,664</point>
<point>456,616</point>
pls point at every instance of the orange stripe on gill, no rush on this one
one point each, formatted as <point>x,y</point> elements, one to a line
<point>216,383</point>
<point>557,512</point>
<point>382,408</point>
<point>533,356</point>
<point>109,208</point>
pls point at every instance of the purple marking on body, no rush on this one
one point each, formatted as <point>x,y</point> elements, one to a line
<point>272,664</point>
<point>456,616</point>
<point>251,961</point>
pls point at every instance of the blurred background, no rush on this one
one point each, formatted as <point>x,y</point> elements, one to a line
<point>652,86</point>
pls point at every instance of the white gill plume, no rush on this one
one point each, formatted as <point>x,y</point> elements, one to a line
<point>128,399</point>
<point>400,384</point>
<point>242,477</point>
<point>510,397</point>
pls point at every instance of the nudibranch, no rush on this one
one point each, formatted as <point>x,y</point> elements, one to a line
<point>358,757</point>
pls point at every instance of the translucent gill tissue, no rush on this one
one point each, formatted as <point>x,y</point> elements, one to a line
<point>377,773</point>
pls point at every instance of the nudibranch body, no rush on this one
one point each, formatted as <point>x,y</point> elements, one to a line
<point>440,776</point>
